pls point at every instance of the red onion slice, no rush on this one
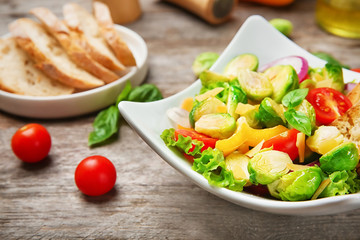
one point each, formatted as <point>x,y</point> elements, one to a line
<point>300,65</point>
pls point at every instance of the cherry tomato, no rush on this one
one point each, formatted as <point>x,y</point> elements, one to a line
<point>95,175</point>
<point>356,70</point>
<point>208,141</point>
<point>31,143</point>
<point>328,104</point>
<point>284,142</point>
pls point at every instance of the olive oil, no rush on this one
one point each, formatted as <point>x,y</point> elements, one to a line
<point>339,17</point>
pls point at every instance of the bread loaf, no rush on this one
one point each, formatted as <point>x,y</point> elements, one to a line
<point>71,42</point>
<point>111,35</point>
<point>19,75</point>
<point>49,56</point>
<point>80,20</point>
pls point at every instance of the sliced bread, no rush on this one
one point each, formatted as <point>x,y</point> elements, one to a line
<point>111,35</point>
<point>49,56</point>
<point>19,75</point>
<point>80,20</point>
<point>71,42</point>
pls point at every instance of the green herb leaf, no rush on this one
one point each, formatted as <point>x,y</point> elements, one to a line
<point>294,98</point>
<point>105,125</point>
<point>124,93</point>
<point>145,93</point>
<point>299,120</point>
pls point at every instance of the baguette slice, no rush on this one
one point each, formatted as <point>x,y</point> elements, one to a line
<point>80,20</point>
<point>19,75</point>
<point>111,35</point>
<point>49,56</point>
<point>71,42</point>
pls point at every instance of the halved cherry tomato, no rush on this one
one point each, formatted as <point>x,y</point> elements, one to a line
<point>328,103</point>
<point>284,142</point>
<point>31,143</point>
<point>208,141</point>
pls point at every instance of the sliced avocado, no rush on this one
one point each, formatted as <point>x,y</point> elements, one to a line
<point>270,113</point>
<point>216,125</point>
<point>243,61</point>
<point>209,105</point>
<point>283,79</point>
<point>255,85</point>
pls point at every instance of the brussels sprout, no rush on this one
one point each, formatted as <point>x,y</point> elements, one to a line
<point>298,185</point>
<point>216,125</point>
<point>208,78</point>
<point>343,157</point>
<point>282,25</point>
<point>283,79</point>
<point>306,108</point>
<point>237,163</point>
<point>243,61</point>
<point>270,113</point>
<point>267,166</point>
<point>236,95</point>
<point>308,83</point>
<point>325,138</point>
<point>203,62</point>
<point>209,105</point>
<point>329,76</point>
<point>255,85</point>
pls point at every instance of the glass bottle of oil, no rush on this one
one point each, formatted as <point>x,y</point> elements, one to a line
<point>339,17</point>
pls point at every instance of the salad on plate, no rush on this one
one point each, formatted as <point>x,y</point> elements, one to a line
<point>270,130</point>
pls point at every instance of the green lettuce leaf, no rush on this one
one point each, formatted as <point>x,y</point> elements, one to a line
<point>212,166</point>
<point>342,182</point>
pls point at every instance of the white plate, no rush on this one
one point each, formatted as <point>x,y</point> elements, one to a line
<point>255,36</point>
<point>84,102</point>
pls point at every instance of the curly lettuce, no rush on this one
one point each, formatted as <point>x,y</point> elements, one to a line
<point>342,182</point>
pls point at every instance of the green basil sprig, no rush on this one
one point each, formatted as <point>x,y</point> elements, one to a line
<point>106,123</point>
<point>294,98</point>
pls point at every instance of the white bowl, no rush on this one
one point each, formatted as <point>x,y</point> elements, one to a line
<point>255,36</point>
<point>83,102</point>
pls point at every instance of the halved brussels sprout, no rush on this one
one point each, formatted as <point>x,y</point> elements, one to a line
<point>342,157</point>
<point>283,79</point>
<point>330,75</point>
<point>267,166</point>
<point>282,25</point>
<point>255,85</point>
<point>298,185</point>
<point>270,113</point>
<point>208,78</point>
<point>325,138</point>
<point>209,105</point>
<point>203,62</point>
<point>236,95</point>
<point>216,125</point>
<point>243,61</point>
<point>308,83</point>
<point>237,163</point>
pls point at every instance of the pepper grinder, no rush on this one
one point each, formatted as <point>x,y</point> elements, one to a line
<point>212,11</point>
<point>123,11</point>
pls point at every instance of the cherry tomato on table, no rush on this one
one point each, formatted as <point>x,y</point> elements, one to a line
<point>328,103</point>
<point>284,142</point>
<point>31,143</point>
<point>95,175</point>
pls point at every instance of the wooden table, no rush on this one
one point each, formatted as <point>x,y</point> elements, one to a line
<point>150,199</point>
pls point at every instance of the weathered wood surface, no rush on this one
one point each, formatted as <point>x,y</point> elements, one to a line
<point>150,199</point>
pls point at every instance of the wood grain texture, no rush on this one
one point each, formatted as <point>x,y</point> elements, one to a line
<point>150,199</point>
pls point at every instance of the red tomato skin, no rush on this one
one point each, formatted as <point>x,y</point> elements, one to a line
<point>95,175</point>
<point>356,70</point>
<point>323,100</point>
<point>284,142</point>
<point>31,143</point>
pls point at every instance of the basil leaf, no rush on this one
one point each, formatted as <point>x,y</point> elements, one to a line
<point>105,125</point>
<point>298,120</point>
<point>124,93</point>
<point>145,93</point>
<point>295,97</point>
